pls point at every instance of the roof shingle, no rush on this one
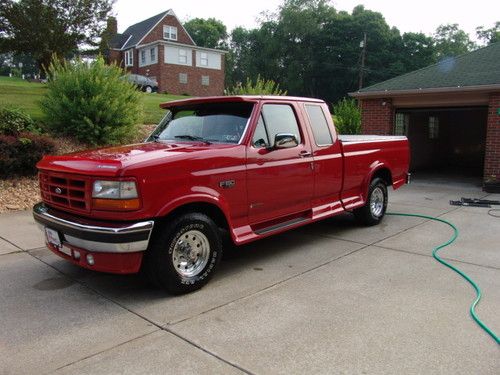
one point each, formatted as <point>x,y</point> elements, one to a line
<point>476,68</point>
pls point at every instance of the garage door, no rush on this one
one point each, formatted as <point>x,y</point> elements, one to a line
<point>445,139</point>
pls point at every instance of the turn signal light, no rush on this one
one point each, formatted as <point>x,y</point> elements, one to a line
<point>116,204</point>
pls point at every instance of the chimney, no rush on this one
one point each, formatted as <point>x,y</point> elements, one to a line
<point>112,26</point>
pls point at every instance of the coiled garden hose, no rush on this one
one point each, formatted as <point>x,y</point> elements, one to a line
<point>461,273</point>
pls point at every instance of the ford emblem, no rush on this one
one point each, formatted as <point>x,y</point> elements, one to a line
<point>58,190</point>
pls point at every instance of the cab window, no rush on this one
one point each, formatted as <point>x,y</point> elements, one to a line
<point>275,119</point>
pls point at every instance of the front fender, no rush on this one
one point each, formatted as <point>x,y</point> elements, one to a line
<point>197,197</point>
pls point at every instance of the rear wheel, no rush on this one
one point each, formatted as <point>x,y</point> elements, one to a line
<point>184,254</point>
<point>373,211</point>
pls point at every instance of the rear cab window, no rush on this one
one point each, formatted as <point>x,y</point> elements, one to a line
<point>275,119</point>
<point>319,125</point>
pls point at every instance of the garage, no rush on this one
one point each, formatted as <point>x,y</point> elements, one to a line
<point>450,112</point>
<point>445,140</point>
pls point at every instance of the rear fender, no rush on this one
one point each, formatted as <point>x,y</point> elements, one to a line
<point>374,168</point>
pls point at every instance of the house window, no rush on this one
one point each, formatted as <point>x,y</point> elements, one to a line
<point>143,57</point>
<point>152,53</point>
<point>204,59</point>
<point>401,123</point>
<point>433,127</point>
<point>182,56</point>
<point>183,78</point>
<point>169,32</point>
<point>205,80</point>
<point>129,58</point>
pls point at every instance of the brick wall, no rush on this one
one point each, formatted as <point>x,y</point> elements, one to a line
<point>492,156</point>
<point>167,75</point>
<point>169,80</point>
<point>377,116</point>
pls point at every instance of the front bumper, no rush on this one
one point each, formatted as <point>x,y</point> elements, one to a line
<point>118,246</point>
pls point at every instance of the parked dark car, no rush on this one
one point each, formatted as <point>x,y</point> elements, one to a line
<point>143,83</point>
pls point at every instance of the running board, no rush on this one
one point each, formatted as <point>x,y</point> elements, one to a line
<point>282,225</point>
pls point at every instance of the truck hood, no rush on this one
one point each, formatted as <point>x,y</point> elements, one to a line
<point>111,161</point>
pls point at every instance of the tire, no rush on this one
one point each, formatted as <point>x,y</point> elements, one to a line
<point>148,89</point>
<point>184,254</point>
<point>373,211</point>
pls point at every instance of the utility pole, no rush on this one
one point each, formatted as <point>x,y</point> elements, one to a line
<point>362,68</point>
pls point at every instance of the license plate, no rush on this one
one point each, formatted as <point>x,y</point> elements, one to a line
<point>65,249</point>
<point>53,237</point>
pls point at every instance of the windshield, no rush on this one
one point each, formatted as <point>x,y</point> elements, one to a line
<point>207,122</point>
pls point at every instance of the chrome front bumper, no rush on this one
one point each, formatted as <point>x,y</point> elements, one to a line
<point>94,236</point>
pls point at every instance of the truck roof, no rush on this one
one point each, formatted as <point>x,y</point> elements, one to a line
<point>236,98</point>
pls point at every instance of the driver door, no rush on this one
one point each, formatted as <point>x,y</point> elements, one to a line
<point>279,181</point>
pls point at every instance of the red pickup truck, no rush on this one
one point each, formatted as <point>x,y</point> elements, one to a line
<point>252,166</point>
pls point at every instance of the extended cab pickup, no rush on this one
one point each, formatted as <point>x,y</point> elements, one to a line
<point>250,166</point>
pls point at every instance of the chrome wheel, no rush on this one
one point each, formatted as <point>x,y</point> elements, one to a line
<point>149,89</point>
<point>191,253</point>
<point>377,202</point>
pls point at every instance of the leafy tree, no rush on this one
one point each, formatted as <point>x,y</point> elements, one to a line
<point>91,102</point>
<point>450,40</point>
<point>42,28</point>
<point>489,36</point>
<point>347,116</point>
<point>210,33</point>
<point>259,87</point>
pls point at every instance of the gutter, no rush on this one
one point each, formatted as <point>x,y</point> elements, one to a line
<point>433,90</point>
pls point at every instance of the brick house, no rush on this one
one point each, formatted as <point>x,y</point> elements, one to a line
<point>160,47</point>
<point>450,112</point>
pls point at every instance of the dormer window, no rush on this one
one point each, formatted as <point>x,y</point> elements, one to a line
<point>169,32</point>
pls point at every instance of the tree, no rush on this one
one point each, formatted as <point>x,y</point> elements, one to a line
<point>450,41</point>
<point>210,33</point>
<point>259,87</point>
<point>42,28</point>
<point>489,36</point>
<point>91,102</point>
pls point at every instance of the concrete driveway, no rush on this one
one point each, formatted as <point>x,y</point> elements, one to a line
<point>327,298</point>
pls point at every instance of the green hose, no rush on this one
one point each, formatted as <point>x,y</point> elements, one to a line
<point>461,273</point>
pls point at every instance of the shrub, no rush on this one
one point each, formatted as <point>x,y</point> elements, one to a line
<point>19,155</point>
<point>14,121</point>
<point>260,87</point>
<point>91,102</point>
<point>348,116</point>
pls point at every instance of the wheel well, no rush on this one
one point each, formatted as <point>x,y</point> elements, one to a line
<point>385,175</point>
<point>211,210</point>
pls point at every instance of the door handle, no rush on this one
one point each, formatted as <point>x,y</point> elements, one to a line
<point>304,154</point>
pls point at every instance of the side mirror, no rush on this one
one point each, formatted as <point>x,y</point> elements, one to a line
<point>284,140</point>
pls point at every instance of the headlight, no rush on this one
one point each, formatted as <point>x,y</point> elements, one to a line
<point>114,189</point>
<point>115,195</point>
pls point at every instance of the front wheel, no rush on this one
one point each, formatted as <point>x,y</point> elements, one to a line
<point>148,89</point>
<point>184,254</point>
<point>374,209</point>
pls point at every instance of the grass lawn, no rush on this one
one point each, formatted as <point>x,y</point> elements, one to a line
<point>26,95</point>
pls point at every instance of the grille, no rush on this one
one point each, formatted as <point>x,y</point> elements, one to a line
<point>65,191</point>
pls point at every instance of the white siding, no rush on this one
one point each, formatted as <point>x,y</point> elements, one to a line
<point>172,55</point>
<point>214,60</point>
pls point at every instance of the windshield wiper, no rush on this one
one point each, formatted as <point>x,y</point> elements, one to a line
<point>192,138</point>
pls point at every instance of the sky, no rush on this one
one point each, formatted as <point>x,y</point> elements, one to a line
<point>417,16</point>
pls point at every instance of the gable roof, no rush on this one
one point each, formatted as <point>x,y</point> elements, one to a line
<point>471,70</point>
<point>136,33</point>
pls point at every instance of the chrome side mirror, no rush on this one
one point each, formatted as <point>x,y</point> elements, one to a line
<point>284,140</point>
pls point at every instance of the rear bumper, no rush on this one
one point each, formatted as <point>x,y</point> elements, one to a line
<point>114,247</point>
